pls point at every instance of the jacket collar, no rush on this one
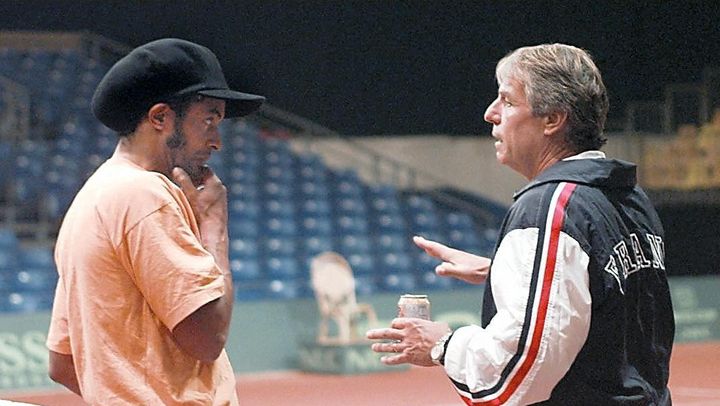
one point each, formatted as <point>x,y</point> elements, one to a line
<point>587,168</point>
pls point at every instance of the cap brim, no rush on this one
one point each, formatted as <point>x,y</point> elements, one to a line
<point>237,104</point>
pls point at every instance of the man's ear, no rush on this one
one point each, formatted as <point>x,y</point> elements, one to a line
<point>159,115</point>
<point>554,122</point>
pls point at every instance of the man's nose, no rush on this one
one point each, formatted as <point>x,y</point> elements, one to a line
<point>491,114</point>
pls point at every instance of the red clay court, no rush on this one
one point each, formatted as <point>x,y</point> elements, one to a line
<point>694,380</point>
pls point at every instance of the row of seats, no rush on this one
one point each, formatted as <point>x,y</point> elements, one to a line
<point>27,275</point>
<point>285,207</point>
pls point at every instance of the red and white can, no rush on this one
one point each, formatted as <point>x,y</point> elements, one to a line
<point>417,306</point>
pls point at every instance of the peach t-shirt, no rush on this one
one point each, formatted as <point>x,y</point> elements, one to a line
<point>131,268</point>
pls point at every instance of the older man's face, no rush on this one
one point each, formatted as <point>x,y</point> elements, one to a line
<point>518,133</point>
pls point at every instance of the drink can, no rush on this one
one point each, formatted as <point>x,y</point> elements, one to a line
<point>417,306</point>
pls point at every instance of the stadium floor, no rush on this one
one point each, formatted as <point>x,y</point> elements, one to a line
<point>693,380</point>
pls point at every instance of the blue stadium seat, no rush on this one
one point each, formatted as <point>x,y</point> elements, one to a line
<point>281,174</point>
<point>279,226</point>
<point>389,223</point>
<point>459,221</point>
<point>362,264</point>
<point>279,208</point>
<point>391,242</point>
<point>354,244</point>
<point>37,257</point>
<point>248,209</point>
<point>243,228</point>
<point>242,191</point>
<point>285,289</point>
<point>398,282</point>
<point>466,240</point>
<point>25,302</point>
<point>242,175</point>
<point>354,224</point>
<point>316,207</point>
<point>348,189</point>
<point>241,248</point>
<point>313,189</point>
<point>280,158</point>
<point>350,207</point>
<point>29,171</point>
<point>395,262</point>
<point>313,173</point>
<point>281,267</point>
<point>244,159</point>
<point>419,203</point>
<point>38,279</point>
<point>365,285</point>
<point>429,280</point>
<point>8,239</point>
<point>8,267</point>
<point>244,269</point>
<point>424,262</point>
<point>316,226</point>
<point>278,247</point>
<point>6,165</point>
<point>254,290</point>
<point>277,189</point>
<point>314,245</point>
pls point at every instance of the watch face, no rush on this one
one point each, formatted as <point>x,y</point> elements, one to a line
<point>436,352</point>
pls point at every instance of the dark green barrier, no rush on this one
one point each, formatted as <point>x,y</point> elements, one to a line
<point>267,336</point>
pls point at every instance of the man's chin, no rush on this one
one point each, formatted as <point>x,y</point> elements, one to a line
<point>197,174</point>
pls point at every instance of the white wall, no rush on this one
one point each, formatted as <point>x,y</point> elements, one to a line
<point>465,162</point>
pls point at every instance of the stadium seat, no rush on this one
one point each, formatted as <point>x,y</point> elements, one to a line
<point>316,226</point>
<point>365,285</point>
<point>315,244</point>
<point>244,269</point>
<point>25,302</point>
<point>251,290</point>
<point>278,226</point>
<point>355,224</point>
<point>278,247</point>
<point>429,280</point>
<point>354,244</point>
<point>243,248</point>
<point>398,282</point>
<point>8,239</point>
<point>395,262</point>
<point>285,289</point>
<point>281,267</point>
<point>362,263</point>
<point>392,242</point>
<point>243,228</point>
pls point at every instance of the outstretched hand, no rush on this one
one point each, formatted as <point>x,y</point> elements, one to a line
<point>457,264</point>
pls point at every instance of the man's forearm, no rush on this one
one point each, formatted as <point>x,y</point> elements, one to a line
<point>62,371</point>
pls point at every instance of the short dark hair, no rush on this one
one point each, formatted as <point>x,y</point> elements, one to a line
<point>179,105</point>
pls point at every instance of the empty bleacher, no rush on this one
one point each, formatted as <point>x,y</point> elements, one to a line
<point>285,206</point>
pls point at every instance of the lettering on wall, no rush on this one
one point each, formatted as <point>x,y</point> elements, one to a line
<point>23,360</point>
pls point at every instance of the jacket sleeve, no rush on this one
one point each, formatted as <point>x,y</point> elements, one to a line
<point>540,284</point>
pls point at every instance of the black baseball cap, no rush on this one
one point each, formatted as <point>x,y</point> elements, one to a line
<point>159,71</point>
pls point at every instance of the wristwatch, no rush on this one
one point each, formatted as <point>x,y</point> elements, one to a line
<point>437,353</point>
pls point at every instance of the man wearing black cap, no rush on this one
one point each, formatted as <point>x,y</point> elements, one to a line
<point>144,299</point>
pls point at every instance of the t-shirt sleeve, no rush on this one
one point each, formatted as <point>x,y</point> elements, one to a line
<point>58,339</point>
<point>171,268</point>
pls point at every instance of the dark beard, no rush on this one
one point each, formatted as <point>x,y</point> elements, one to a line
<point>177,141</point>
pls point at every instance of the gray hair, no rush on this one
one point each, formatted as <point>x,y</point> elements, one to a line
<point>562,78</point>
